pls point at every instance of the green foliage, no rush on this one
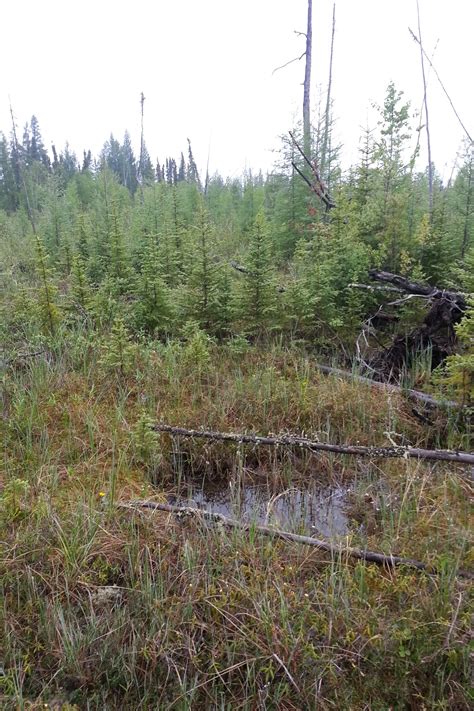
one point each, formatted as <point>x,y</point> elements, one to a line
<point>206,294</point>
<point>118,352</point>
<point>14,500</point>
<point>47,293</point>
<point>457,373</point>
<point>257,304</point>
<point>79,287</point>
<point>146,445</point>
<point>152,310</point>
<point>196,352</point>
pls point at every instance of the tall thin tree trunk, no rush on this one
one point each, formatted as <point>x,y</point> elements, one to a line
<point>142,144</point>
<point>425,102</point>
<point>468,210</point>
<point>307,83</point>
<point>324,158</point>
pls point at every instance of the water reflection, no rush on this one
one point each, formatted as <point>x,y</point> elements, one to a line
<point>318,512</point>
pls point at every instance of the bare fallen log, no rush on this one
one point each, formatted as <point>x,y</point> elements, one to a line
<point>336,551</point>
<point>411,394</point>
<point>314,446</point>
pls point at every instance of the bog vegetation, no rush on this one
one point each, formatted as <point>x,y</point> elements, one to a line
<point>136,293</point>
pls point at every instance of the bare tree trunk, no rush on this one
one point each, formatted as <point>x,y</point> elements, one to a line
<point>140,165</point>
<point>307,82</point>
<point>465,237</point>
<point>425,102</point>
<point>324,150</point>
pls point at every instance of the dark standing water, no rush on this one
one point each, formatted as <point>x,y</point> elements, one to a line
<point>319,512</point>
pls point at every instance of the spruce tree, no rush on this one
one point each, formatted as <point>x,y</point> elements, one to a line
<point>80,287</point>
<point>393,185</point>
<point>47,295</point>
<point>257,294</point>
<point>206,296</point>
<point>152,310</point>
<point>117,350</point>
<point>118,267</point>
<point>9,195</point>
<point>37,150</point>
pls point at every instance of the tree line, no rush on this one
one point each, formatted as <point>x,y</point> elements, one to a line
<point>116,237</point>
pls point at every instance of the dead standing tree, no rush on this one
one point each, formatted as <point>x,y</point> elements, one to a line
<point>307,82</point>
<point>425,104</point>
<point>314,182</point>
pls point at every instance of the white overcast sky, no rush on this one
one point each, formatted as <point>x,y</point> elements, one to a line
<point>205,67</point>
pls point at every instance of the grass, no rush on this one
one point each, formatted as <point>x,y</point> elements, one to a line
<point>107,608</point>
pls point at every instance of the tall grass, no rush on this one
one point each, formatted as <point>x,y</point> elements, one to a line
<point>110,608</point>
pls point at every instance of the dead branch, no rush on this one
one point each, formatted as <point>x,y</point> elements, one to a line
<point>371,287</point>
<point>316,185</point>
<point>411,394</point>
<point>336,551</point>
<point>24,356</point>
<point>238,267</point>
<point>295,59</point>
<point>243,270</point>
<point>314,446</point>
<point>436,332</point>
<point>417,39</point>
<point>415,288</point>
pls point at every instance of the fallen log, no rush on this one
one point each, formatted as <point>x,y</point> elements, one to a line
<point>436,332</point>
<point>315,446</point>
<point>337,551</point>
<point>412,287</point>
<point>408,392</point>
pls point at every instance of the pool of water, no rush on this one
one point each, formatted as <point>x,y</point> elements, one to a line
<point>309,511</point>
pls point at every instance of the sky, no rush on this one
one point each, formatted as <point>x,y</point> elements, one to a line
<point>206,68</point>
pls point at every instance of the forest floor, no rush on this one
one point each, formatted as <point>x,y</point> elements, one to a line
<point>108,607</point>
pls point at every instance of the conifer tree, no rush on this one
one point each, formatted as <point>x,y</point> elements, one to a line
<point>193,173</point>
<point>118,268</point>
<point>158,172</point>
<point>257,297</point>
<point>128,168</point>
<point>463,193</point>
<point>82,237</point>
<point>49,311</point>
<point>37,150</point>
<point>182,170</point>
<point>80,287</point>
<point>8,186</point>
<point>117,350</point>
<point>153,309</point>
<point>392,187</point>
<point>206,298</point>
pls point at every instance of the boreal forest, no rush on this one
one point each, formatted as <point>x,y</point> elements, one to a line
<point>237,422</point>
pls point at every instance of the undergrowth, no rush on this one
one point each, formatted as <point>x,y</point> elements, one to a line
<point>111,608</point>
